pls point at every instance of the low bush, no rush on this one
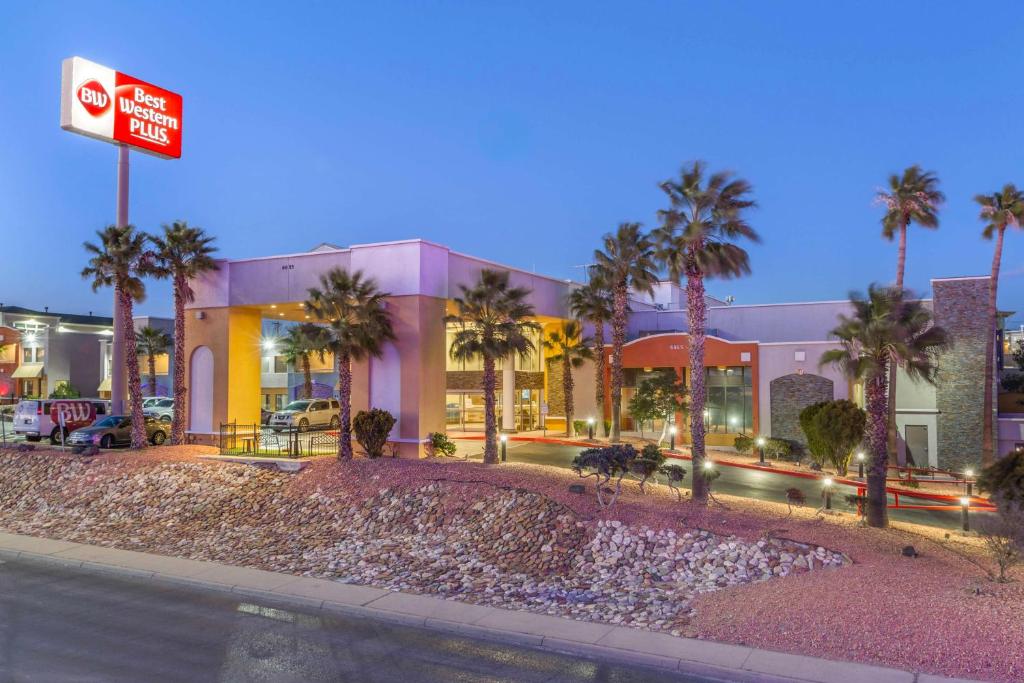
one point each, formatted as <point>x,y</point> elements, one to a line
<point>605,464</point>
<point>1013,383</point>
<point>371,428</point>
<point>579,427</point>
<point>438,444</point>
<point>743,444</point>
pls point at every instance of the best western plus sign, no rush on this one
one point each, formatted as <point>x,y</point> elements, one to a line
<point>109,105</point>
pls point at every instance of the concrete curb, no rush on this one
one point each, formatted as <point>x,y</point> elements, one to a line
<point>599,641</point>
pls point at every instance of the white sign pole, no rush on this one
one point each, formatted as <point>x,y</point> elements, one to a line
<point>62,422</point>
<point>117,359</point>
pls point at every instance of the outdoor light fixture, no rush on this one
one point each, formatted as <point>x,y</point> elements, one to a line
<point>672,438</point>
<point>965,506</point>
<point>968,484</point>
<point>504,447</point>
<point>827,483</point>
<point>860,465</point>
<point>269,344</point>
<point>590,428</point>
<point>708,464</point>
<point>760,447</point>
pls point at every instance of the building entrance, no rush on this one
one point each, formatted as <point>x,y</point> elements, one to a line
<point>464,410</point>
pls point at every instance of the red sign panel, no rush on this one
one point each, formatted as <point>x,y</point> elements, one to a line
<point>106,104</point>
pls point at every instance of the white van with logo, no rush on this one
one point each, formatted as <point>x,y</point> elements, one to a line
<point>40,418</point>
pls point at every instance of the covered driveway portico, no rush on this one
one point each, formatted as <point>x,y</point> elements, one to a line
<point>224,327</point>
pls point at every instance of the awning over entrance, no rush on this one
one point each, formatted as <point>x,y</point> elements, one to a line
<point>104,385</point>
<point>28,371</point>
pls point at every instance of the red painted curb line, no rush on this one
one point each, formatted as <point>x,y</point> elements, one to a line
<point>976,501</point>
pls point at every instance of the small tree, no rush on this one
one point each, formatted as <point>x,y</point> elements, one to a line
<point>809,424</point>
<point>658,397</point>
<point>372,428</point>
<point>152,342</point>
<point>674,476</point>
<point>604,464</point>
<point>1004,534</point>
<point>1018,354</point>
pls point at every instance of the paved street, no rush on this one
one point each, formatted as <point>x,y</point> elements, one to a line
<point>736,481</point>
<point>60,624</point>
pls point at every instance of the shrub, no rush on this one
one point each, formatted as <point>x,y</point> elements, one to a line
<point>778,448</point>
<point>438,443</point>
<point>743,444</point>
<point>579,427</point>
<point>1004,480</point>
<point>372,428</point>
<point>1003,534</point>
<point>607,424</point>
<point>833,430</point>
<point>604,464</point>
<point>674,476</point>
<point>1013,382</point>
<point>65,390</point>
<point>647,464</point>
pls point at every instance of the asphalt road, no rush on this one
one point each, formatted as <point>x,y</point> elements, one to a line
<point>64,624</point>
<point>735,481</point>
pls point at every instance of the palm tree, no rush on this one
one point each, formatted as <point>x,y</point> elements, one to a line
<point>571,350</point>
<point>593,303</point>
<point>886,327</point>
<point>695,241</point>
<point>999,210</point>
<point>913,197</point>
<point>358,325</point>
<point>298,344</point>
<point>151,342</point>
<point>493,320</point>
<point>626,263</point>
<point>118,261</point>
<point>182,254</point>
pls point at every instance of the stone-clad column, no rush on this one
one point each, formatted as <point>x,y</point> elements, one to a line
<point>959,306</point>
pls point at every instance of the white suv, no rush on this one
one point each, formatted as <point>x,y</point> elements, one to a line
<point>306,414</point>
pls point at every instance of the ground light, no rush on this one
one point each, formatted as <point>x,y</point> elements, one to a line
<point>504,447</point>
<point>965,506</point>
<point>760,448</point>
<point>968,484</point>
<point>672,438</point>
<point>590,428</point>
<point>827,483</point>
<point>860,465</point>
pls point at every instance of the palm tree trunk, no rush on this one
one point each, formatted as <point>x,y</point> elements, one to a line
<point>131,352</point>
<point>178,390</point>
<point>697,313</point>
<point>307,377</point>
<point>345,399</point>
<point>152,373</point>
<point>987,446</point>
<point>599,369</point>
<point>490,420</point>
<point>876,399</point>
<point>891,434</point>
<point>567,390</point>
<point>619,304</point>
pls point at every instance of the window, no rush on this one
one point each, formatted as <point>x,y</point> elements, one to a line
<point>730,400</point>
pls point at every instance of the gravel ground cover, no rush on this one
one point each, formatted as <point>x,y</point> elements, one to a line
<point>515,536</point>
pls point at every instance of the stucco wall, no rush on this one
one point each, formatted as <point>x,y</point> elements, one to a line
<point>778,360</point>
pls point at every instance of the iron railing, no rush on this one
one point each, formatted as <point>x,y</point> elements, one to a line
<point>259,440</point>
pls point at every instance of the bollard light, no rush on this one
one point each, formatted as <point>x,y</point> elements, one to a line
<point>708,464</point>
<point>590,428</point>
<point>504,447</point>
<point>860,465</point>
<point>760,448</point>
<point>968,484</point>
<point>827,483</point>
<point>965,506</point>
<point>672,438</point>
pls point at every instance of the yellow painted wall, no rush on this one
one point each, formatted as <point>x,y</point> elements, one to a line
<point>243,365</point>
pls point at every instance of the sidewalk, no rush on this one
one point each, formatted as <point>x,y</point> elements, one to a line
<point>601,641</point>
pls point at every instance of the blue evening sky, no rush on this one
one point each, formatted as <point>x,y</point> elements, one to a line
<point>519,131</point>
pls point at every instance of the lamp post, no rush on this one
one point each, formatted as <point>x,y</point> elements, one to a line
<point>965,506</point>
<point>760,448</point>
<point>672,438</point>
<point>590,428</point>
<point>860,464</point>
<point>827,483</point>
<point>504,447</point>
<point>968,484</point>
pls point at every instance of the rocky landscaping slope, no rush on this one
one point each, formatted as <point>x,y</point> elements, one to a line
<point>473,541</point>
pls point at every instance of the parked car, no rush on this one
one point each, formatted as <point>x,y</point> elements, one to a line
<point>116,430</point>
<point>162,409</point>
<point>39,418</point>
<point>307,414</point>
<point>150,401</point>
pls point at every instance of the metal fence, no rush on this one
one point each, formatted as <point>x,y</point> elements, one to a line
<point>260,440</point>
